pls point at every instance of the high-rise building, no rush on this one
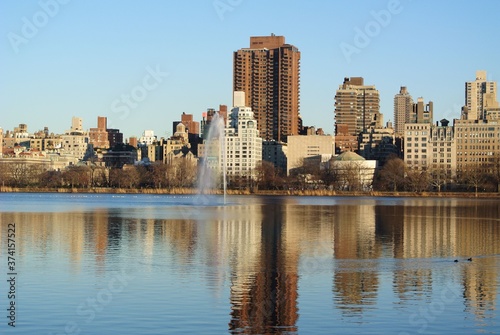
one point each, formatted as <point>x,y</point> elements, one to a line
<point>480,95</point>
<point>403,103</point>
<point>421,112</point>
<point>243,144</point>
<point>357,106</point>
<point>269,74</point>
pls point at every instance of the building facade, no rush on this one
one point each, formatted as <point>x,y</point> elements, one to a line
<point>477,146</point>
<point>75,142</point>
<point>243,143</point>
<point>403,106</point>
<point>416,142</point>
<point>98,137</point>
<point>357,106</point>
<point>269,74</point>
<point>421,112</point>
<point>480,95</point>
<point>301,147</point>
<point>442,159</point>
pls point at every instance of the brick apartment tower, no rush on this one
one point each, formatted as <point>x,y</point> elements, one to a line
<point>357,106</point>
<point>269,74</point>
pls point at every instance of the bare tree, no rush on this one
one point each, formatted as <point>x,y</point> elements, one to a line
<point>438,177</point>
<point>268,176</point>
<point>417,180</point>
<point>392,175</point>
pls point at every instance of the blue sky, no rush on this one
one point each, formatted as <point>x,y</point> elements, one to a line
<point>82,57</point>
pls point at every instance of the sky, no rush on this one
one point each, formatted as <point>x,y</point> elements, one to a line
<point>143,63</point>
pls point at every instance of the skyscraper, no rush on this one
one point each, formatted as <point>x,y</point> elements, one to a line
<point>269,74</point>
<point>480,95</point>
<point>357,106</point>
<point>403,103</point>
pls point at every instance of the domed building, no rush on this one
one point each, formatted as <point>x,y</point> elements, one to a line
<point>354,171</point>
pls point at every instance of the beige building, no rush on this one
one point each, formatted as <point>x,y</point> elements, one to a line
<point>403,107</point>
<point>442,159</point>
<point>269,74</point>
<point>177,145</point>
<point>416,142</point>
<point>354,171</point>
<point>477,145</point>
<point>378,143</point>
<point>357,106</point>
<point>75,141</point>
<point>422,112</point>
<point>301,147</point>
<point>480,96</point>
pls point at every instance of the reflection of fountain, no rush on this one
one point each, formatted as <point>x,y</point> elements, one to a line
<point>214,162</point>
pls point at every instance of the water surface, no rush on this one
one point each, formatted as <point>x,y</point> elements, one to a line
<point>159,264</point>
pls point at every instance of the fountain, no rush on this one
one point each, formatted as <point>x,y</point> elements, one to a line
<point>214,162</point>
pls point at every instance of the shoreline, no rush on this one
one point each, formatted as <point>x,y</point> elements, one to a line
<point>190,191</point>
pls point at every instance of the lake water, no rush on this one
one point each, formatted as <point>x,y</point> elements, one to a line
<point>159,264</point>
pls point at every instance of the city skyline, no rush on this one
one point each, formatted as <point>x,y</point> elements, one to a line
<point>66,67</point>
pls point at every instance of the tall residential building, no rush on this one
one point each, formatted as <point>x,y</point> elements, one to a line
<point>243,144</point>
<point>357,106</point>
<point>403,105</point>
<point>480,95</point>
<point>269,74</point>
<point>421,112</point>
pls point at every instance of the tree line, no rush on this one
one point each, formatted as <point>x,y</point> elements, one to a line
<point>393,176</point>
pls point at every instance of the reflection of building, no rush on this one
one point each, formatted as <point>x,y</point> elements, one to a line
<point>268,299</point>
<point>355,280</point>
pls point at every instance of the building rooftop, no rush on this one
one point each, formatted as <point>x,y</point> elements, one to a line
<point>349,156</point>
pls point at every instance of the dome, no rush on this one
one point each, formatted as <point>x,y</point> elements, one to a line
<point>349,156</point>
